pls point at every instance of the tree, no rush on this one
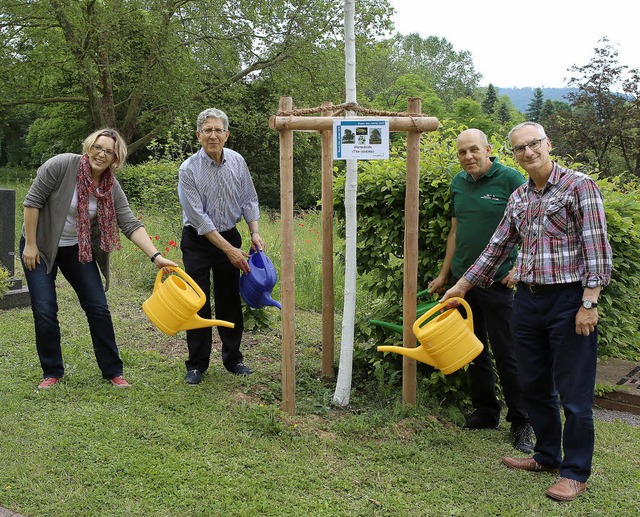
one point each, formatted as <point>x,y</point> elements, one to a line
<point>342,393</point>
<point>535,105</point>
<point>468,111</point>
<point>502,114</point>
<point>138,64</point>
<point>490,100</point>
<point>450,74</point>
<point>396,96</point>
<point>603,126</point>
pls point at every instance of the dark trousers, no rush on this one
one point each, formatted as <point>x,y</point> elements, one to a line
<point>201,260</point>
<point>491,309</point>
<point>86,282</point>
<point>556,360</point>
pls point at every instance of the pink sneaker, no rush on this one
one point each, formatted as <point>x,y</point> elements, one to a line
<point>119,382</point>
<point>48,382</point>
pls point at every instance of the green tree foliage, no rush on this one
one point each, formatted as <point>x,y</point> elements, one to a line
<point>490,100</point>
<point>395,97</point>
<point>534,109</point>
<point>451,74</point>
<point>469,112</point>
<point>137,64</point>
<point>602,128</point>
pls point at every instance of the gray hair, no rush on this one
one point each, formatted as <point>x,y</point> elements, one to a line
<point>212,113</point>
<point>525,124</point>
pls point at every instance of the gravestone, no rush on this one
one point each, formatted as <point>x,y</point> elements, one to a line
<point>17,295</point>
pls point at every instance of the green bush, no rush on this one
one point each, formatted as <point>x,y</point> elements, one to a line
<point>4,281</point>
<point>16,174</point>
<point>152,185</point>
<point>380,219</point>
<point>620,312</point>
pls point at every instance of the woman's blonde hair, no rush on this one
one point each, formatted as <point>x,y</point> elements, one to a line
<point>120,147</point>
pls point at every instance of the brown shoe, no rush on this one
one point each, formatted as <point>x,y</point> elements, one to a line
<point>566,489</point>
<point>528,464</point>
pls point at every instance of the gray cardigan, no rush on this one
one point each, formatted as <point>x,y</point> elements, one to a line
<point>52,192</point>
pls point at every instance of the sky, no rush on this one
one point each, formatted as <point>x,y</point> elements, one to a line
<point>520,44</point>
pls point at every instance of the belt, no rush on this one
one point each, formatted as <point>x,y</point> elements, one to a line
<point>547,288</point>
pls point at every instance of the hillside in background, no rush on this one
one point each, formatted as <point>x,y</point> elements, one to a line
<point>522,96</point>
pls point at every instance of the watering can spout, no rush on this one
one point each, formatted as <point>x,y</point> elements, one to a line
<point>196,322</point>
<point>418,353</point>
<point>267,300</point>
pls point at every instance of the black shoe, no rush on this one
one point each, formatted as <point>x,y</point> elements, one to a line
<point>477,420</point>
<point>241,369</point>
<point>522,437</point>
<point>193,377</point>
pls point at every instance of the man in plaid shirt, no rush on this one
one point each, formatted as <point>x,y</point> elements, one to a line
<point>557,219</point>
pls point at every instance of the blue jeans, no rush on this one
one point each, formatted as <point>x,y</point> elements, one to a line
<point>555,360</point>
<point>86,282</point>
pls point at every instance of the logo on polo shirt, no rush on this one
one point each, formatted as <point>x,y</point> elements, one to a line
<point>490,197</point>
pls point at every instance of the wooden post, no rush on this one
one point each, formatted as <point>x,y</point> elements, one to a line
<point>414,125</point>
<point>287,264</point>
<point>410,285</point>
<point>328,288</point>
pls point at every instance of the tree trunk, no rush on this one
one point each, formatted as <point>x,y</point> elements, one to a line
<point>343,385</point>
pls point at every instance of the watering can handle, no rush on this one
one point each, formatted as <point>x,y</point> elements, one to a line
<point>256,251</point>
<point>184,276</point>
<point>436,308</point>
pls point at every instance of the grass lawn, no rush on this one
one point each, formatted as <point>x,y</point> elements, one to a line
<point>163,448</point>
<point>224,448</point>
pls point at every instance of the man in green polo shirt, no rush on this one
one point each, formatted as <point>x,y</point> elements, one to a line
<point>479,195</point>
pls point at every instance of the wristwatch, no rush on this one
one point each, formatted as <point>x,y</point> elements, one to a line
<point>588,304</point>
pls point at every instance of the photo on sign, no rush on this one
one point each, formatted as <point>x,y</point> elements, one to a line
<point>348,137</point>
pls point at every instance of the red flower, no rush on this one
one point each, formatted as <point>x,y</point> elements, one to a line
<point>167,248</point>
<point>157,237</point>
<point>172,243</point>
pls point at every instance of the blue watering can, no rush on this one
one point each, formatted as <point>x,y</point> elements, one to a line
<point>256,286</point>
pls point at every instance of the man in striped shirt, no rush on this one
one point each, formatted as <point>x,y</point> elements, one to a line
<point>558,221</point>
<point>216,191</point>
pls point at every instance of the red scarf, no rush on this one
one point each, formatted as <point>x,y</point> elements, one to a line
<point>107,221</point>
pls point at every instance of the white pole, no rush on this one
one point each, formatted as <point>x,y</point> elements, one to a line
<point>343,385</point>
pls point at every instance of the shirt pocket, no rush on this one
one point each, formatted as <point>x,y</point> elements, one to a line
<point>555,222</point>
<point>519,217</point>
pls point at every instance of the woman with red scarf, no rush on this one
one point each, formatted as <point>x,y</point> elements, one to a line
<point>72,214</point>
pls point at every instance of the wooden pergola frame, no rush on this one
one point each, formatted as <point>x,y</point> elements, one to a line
<point>286,122</point>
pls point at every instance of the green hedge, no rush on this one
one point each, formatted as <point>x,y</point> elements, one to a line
<point>153,184</point>
<point>380,214</point>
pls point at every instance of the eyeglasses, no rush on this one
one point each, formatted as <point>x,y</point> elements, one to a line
<point>533,145</point>
<point>107,152</point>
<point>210,130</point>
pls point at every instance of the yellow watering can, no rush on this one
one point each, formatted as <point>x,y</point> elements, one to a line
<point>447,342</point>
<point>174,304</point>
